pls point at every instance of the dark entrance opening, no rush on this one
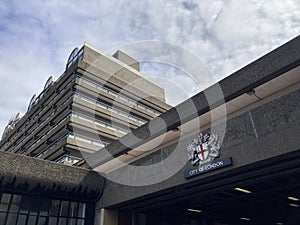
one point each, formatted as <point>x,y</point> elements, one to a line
<point>266,192</point>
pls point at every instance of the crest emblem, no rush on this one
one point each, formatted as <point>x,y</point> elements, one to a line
<point>203,149</point>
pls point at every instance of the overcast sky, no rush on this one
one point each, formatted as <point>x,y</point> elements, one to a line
<point>37,36</point>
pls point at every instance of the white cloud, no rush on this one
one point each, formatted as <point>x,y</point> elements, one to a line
<point>36,37</point>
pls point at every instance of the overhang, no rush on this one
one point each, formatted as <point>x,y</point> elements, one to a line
<point>269,75</point>
<point>24,174</point>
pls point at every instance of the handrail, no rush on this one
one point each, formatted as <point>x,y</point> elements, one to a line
<point>85,139</point>
<point>95,121</point>
<point>108,107</point>
<point>118,95</point>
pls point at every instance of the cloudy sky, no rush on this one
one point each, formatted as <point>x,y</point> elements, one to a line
<point>37,36</point>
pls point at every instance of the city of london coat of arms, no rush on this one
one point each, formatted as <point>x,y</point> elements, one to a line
<point>203,149</point>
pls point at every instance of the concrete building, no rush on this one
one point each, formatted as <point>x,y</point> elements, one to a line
<point>35,191</point>
<point>251,177</point>
<point>98,99</point>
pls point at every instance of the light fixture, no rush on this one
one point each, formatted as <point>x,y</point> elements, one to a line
<point>279,223</point>
<point>195,210</point>
<point>293,198</point>
<point>294,205</point>
<point>245,218</point>
<point>175,129</point>
<point>242,190</point>
<point>251,92</point>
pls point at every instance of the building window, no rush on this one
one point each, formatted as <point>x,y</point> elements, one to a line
<point>29,210</point>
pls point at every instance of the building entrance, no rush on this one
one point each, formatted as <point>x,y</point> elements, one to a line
<point>265,193</point>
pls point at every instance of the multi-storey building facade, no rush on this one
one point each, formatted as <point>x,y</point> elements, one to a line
<point>98,99</point>
<point>255,179</point>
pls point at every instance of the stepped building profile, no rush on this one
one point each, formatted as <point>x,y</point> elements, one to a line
<point>98,99</point>
<point>252,176</point>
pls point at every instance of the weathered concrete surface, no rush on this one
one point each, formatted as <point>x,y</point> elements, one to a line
<point>260,71</point>
<point>30,175</point>
<point>264,135</point>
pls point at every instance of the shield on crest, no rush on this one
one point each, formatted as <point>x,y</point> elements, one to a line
<point>203,151</point>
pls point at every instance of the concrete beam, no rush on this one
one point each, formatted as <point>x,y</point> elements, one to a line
<point>31,175</point>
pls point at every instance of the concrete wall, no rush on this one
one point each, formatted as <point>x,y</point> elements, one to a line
<point>260,134</point>
<point>118,73</point>
<point>268,67</point>
<point>127,60</point>
<point>30,175</point>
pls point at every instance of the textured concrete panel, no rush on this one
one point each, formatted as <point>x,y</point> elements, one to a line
<point>277,115</point>
<point>267,134</point>
<point>260,71</point>
<point>36,176</point>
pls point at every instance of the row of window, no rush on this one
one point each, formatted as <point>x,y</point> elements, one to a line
<point>36,210</point>
<point>110,108</point>
<point>38,140</point>
<point>49,131</point>
<point>100,122</point>
<point>88,140</point>
<point>78,55</point>
<point>20,219</point>
<point>77,137</point>
<point>35,118</point>
<point>52,146</point>
<point>120,96</point>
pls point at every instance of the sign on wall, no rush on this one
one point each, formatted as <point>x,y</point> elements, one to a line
<point>202,152</point>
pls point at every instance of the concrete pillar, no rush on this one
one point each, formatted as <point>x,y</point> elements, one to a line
<point>106,217</point>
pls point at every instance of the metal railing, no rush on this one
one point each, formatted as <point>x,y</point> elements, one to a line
<point>110,108</point>
<point>120,96</point>
<point>99,122</point>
